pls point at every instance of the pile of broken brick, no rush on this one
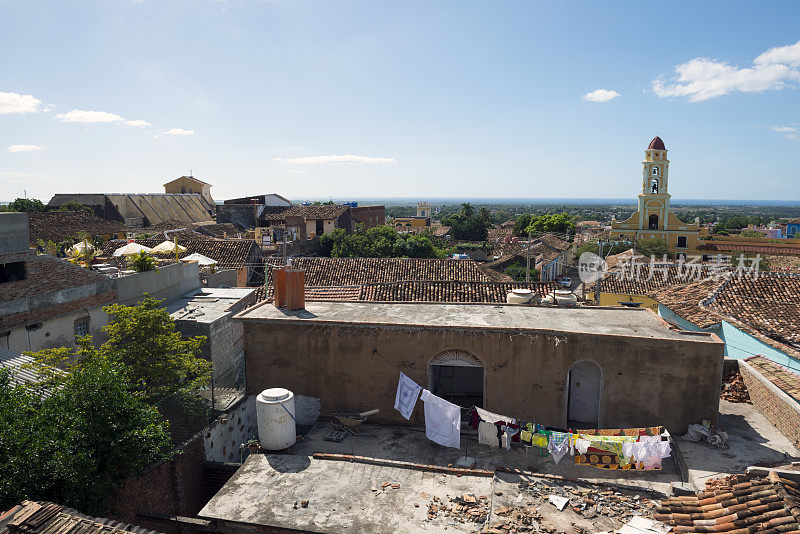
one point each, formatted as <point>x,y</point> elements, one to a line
<point>589,501</point>
<point>733,388</point>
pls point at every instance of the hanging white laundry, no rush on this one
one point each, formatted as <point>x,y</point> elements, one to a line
<point>406,398</point>
<point>442,420</point>
<point>487,434</point>
<point>490,417</point>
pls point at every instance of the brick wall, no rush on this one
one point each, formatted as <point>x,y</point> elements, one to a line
<point>174,487</point>
<point>781,410</point>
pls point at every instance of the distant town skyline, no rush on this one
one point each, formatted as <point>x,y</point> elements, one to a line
<point>362,99</point>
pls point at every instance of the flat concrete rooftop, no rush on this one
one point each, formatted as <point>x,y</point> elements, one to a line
<point>207,304</point>
<point>630,322</point>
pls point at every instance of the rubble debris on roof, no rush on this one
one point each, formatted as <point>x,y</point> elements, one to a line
<point>733,387</point>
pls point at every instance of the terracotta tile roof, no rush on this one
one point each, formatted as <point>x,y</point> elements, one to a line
<point>754,505</point>
<point>48,518</point>
<point>553,241</point>
<point>356,271</point>
<point>786,380</point>
<point>769,304</point>
<point>318,211</point>
<point>219,230</point>
<point>229,253</point>
<point>684,300</point>
<point>449,291</point>
<point>753,248</point>
<point>339,293</point>
<point>420,291</point>
<point>59,226</point>
<point>642,280</point>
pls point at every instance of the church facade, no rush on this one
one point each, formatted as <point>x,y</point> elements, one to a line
<point>654,220</point>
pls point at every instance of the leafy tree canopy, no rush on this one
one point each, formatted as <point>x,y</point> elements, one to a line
<point>29,205</point>
<point>559,223</point>
<point>378,242</point>
<point>76,445</point>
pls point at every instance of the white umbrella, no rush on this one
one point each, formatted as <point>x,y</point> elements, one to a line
<point>168,246</point>
<point>130,248</point>
<point>80,247</point>
<point>203,261</point>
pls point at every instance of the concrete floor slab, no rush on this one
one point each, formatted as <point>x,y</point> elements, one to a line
<point>752,440</point>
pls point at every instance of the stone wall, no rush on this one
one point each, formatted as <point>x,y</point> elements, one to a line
<point>645,382</point>
<point>781,409</point>
<point>222,440</point>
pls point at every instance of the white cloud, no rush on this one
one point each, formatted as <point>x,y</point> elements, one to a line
<point>138,123</point>
<point>77,115</point>
<point>789,132</point>
<point>348,158</point>
<point>91,117</point>
<point>24,148</point>
<point>601,95</point>
<point>703,78</point>
<point>16,103</point>
<point>784,55</point>
<point>177,131</point>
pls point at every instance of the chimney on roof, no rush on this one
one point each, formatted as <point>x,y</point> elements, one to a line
<point>295,289</point>
<point>279,287</point>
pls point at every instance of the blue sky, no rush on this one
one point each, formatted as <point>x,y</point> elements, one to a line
<point>372,98</point>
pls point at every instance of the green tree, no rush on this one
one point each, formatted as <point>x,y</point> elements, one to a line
<point>73,206</point>
<point>142,262</point>
<point>752,233</point>
<point>30,205</point>
<point>651,247</point>
<point>467,210</point>
<point>158,359</point>
<point>76,445</point>
<point>484,214</point>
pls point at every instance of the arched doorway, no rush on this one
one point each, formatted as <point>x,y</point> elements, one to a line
<point>652,222</point>
<point>457,376</point>
<point>583,396</point>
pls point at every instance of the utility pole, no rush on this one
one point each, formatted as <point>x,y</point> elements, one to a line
<point>528,259</point>
<point>599,288</point>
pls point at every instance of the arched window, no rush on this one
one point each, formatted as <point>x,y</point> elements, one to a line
<point>655,170</point>
<point>652,222</point>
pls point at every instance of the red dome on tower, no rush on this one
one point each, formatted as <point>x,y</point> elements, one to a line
<point>656,144</point>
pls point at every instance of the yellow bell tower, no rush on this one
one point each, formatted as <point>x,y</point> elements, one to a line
<point>653,220</point>
<point>654,198</point>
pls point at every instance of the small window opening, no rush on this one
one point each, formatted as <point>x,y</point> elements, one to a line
<point>12,272</point>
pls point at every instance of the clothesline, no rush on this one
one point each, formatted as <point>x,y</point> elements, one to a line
<point>637,448</point>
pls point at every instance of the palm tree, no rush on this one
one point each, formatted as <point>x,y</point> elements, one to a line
<point>467,210</point>
<point>484,214</point>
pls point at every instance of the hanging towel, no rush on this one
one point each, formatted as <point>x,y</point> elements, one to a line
<point>487,434</point>
<point>442,420</point>
<point>490,417</point>
<point>406,398</point>
<point>559,445</point>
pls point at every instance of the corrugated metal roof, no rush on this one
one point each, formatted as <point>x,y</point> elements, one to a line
<point>48,518</point>
<point>15,362</point>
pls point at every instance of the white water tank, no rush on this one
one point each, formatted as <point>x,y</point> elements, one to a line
<point>519,296</point>
<point>276,419</point>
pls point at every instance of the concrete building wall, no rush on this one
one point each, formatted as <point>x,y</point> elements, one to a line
<point>58,332</point>
<point>226,277</point>
<point>169,282</point>
<point>14,233</point>
<point>645,382</point>
<point>243,214</point>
